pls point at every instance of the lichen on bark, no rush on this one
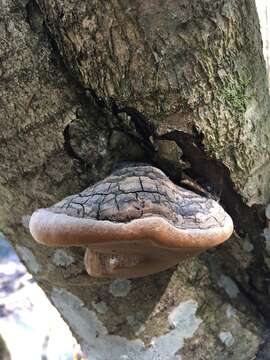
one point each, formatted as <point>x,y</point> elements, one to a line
<point>169,60</point>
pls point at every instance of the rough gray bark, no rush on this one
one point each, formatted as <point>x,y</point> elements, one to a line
<point>4,353</point>
<point>180,84</point>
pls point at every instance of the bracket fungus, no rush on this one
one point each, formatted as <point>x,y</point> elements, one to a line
<point>134,223</point>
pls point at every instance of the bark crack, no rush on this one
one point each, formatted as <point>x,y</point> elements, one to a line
<point>246,219</point>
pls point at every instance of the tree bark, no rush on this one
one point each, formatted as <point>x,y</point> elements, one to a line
<point>178,84</point>
<point>4,353</point>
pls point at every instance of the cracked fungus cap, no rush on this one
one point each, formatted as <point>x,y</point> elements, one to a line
<point>134,223</point>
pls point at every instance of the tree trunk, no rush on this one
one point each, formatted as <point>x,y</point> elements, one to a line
<point>4,353</point>
<point>178,84</point>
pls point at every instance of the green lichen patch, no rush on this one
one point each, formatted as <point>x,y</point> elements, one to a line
<point>235,94</point>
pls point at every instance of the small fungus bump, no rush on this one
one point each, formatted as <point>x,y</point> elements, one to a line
<point>134,223</point>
